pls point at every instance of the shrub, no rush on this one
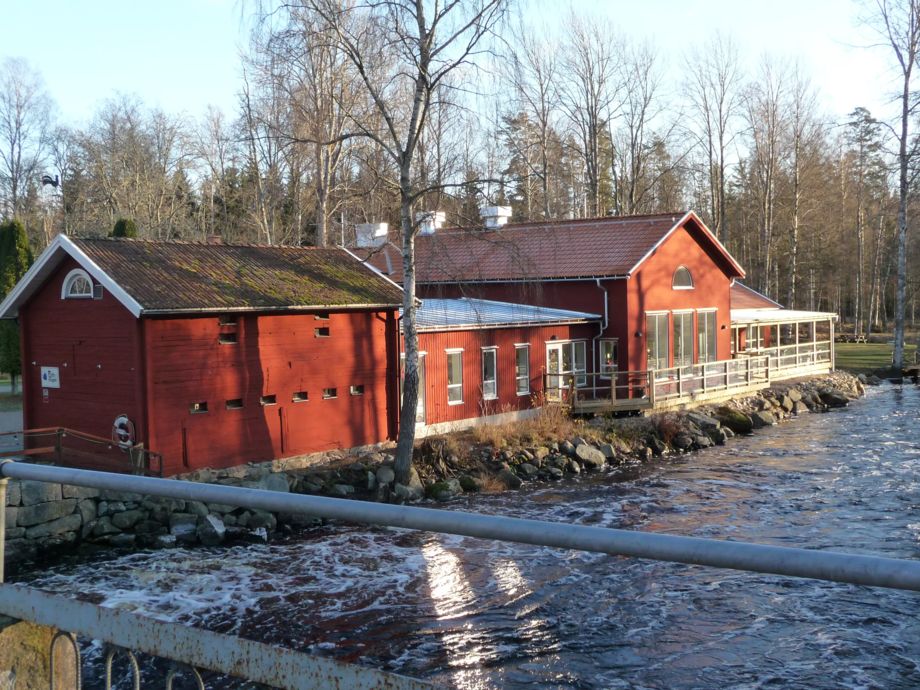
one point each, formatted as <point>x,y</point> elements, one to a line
<point>124,227</point>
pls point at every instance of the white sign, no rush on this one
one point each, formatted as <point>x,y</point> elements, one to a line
<point>51,377</point>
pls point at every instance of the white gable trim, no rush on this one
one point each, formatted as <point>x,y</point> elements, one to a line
<point>45,264</point>
<point>707,231</point>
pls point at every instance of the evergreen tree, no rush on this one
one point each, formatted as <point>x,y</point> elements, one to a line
<point>15,259</point>
<point>124,227</point>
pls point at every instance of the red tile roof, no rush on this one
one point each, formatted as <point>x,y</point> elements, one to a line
<point>187,276</point>
<point>743,297</point>
<point>595,247</point>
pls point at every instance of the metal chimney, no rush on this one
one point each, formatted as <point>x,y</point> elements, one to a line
<point>370,235</point>
<point>494,217</point>
<point>429,222</point>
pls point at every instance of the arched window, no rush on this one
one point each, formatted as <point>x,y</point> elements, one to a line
<point>682,279</point>
<point>77,285</point>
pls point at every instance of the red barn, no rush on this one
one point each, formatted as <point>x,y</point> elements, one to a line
<point>218,354</point>
<point>485,360</point>
<point>662,282</point>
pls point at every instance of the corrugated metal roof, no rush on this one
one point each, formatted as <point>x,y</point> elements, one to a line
<point>546,250</point>
<point>466,312</point>
<point>168,277</point>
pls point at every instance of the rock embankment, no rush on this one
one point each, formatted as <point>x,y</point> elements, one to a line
<point>44,518</point>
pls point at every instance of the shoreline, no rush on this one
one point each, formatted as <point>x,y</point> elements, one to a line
<point>49,522</point>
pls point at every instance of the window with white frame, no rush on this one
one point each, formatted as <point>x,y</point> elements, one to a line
<point>683,338</point>
<point>522,369</point>
<point>682,279</point>
<point>454,377</point>
<point>489,373</point>
<point>706,335</point>
<point>77,285</point>
<point>754,338</point>
<point>656,340</point>
<point>574,361</point>
<point>609,357</point>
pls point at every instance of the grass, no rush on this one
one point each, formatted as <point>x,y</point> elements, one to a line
<point>865,358</point>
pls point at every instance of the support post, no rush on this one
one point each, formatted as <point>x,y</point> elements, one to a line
<point>3,486</point>
<point>833,353</point>
<point>680,384</point>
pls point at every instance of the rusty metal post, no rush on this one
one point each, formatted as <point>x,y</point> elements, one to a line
<point>3,485</point>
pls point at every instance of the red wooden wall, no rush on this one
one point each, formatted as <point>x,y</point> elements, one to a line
<point>649,289</point>
<point>96,346</point>
<point>278,355</point>
<point>438,410</point>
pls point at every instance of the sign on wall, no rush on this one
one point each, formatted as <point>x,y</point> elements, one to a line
<point>51,377</point>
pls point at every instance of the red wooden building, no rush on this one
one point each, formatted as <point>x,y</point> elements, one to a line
<point>485,360</point>
<point>661,282</point>
<point>218,354</point>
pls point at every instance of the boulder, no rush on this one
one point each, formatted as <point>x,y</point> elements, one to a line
<point>657,446</point>
<point>15,532</point>
<point>702,441</point>
<point>127,519</point>
<point>341,490</point>
<point>786,403</point>
<point>833,398</point>
<point>762,419</point>
<point>123,541</point>
<point>795,395</point>
<point>555,472</point>
<point>211,530</point>
<point>87,510</point>
<point>164,541</point>
<point>262,519</point>
<point>734,419</point>
<point>567,448</point>
<point>12,515</point>
<point>800,407</point>
<point>148,527</point>
<point>510,479</point>
<point>608,450</point>
<point>682,441</point>
<point>540,452</point>
<point>405,493</point>
<point>196,508</point>
<point>526,470</point>
<point>385,475</point>
<point>104,527</point>
<point>69,523</point>
<point>467,483</point>
<point>278,481</point>
<point>590,456</point>
<point>704,422</point>
<point>39,492</point>
<point>37,513</point>
<point>445,490</point>
<point>13,493</point>
<point>69,491</point>
<point>571,466</point>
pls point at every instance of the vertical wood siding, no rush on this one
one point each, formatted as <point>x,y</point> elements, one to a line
<point>472,342</point>
<point>94,344</point>
<point>277,355</point>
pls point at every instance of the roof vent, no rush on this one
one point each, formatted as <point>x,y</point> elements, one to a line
<point>429,222</point>
<point>368,235</point>
<point>495,216</point>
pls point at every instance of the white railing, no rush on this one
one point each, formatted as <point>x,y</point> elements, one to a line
<point>710,377</point>
<point>786,357</point>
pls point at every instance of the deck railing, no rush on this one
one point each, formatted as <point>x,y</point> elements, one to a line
<point>710,377</point>
<point>70,448</point>
<point>628,389</point>
<point>284,668</point>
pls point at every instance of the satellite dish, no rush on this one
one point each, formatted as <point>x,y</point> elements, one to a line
<point>53,181</point>
<point>123,432</point>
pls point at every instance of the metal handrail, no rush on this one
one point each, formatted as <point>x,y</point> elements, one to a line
<point>874,571</point>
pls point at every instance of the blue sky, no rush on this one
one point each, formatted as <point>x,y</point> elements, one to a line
<point>184,55</point>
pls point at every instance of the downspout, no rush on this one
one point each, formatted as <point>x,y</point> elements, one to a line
<point>604,324</point>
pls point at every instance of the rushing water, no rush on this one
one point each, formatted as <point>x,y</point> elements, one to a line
<point>477,614</point>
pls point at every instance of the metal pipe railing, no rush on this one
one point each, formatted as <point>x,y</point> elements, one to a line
<point>872,571</point>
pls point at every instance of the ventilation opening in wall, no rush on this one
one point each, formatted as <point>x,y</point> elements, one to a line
<point>321,332</point>
<point>357,389</point>
<point>235,404</point>
<point>322,316</point>
<point>300,396</point>
<point>227,338</point>
<point>226,320</point>
<point>329,393</point>
<point>268,399</point>
<point>198,407</point>
<point>97,292</point>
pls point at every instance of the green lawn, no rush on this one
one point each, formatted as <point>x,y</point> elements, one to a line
<point>10,403</point>
<point>865,358</point>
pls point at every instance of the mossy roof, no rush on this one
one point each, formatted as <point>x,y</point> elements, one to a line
<point>169,277</point>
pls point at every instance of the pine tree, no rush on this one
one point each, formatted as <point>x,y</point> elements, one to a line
<point>15,259</point>
<point>124,227</point>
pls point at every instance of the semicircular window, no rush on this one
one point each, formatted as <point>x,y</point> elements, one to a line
<point>77,285</point>
<point>682,279</point>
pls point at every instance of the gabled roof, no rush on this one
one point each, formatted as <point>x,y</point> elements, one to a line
<point>185,277</point>
<point>547,250</point>
<point>744,297</point>
<point>469,313</point>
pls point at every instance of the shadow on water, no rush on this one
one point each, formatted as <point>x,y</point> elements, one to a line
<point>475,614</point>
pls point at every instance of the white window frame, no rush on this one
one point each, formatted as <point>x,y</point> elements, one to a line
<point>580,375</point>
<point>518,377</point>
<point>703,354</point>
<point>667,345</point>
<point>686,338</point>
<point>493,395</point>
<point>454,386</point>
<point>71,279</point>
<point>691,286</point>
<point>610,371</point>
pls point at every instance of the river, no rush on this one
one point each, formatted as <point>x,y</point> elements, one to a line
<point>476,614</point>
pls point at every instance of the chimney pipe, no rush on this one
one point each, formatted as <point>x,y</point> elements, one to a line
<point>494,217</point>
<point>429,222</point>
<point>370,235</point>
